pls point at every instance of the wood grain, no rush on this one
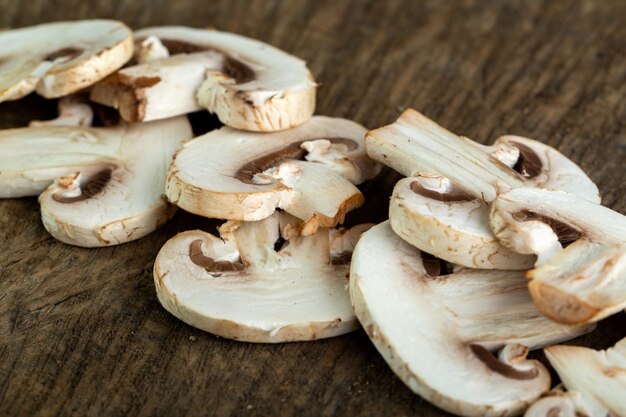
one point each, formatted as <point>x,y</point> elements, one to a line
<point>81,331</point>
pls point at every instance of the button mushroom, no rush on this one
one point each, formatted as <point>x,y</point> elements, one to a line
<point>258,283</point>
<point>109,181</point>
<point>437,329</point>
<point>558,403</point>
<point>443,207</point>
<point>249,85</point>
<point>584,282</point>
<point>236,175</point>
<point>596,381</point>
<point>57,59</point>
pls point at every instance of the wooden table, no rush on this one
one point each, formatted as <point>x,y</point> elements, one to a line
<point>81,331</point>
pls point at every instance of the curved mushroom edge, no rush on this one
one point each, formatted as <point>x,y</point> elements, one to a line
<point>449,224</point>
<point>444,207</point>
<point>113,197</point>
<point>61,58</point>
<point>248,84</point>
<point>580,248</point>
<point>260,282</point>
<point>598,375</point>
<point>308,171</point>
<point>395,290</point>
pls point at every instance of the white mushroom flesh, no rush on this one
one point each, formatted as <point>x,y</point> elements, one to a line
<point>436,332</point>
<point>237,175</point>
<point>267,294</point>
<point>584,282</point>
<point>57,59</point>
<point>600,376</point>
<point>417,147</point>
<point>249,85</point>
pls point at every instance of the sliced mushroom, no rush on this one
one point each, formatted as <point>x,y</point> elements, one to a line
<point>566,404</point>
<point>437,330</point>
<point>57,59</point>
<point>596,381</point>
<point>258,283</point>
<point>236,175</point>
<point>109,181</point>
<point>73,111</point>
<point>584,282</point>
<point>249,85</point>
<point>443,207</point>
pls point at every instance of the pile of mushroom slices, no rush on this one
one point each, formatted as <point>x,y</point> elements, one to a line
<point>103,186</point>
<point>279,270</point>
<point>490,251</point>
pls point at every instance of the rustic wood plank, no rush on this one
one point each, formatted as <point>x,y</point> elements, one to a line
<point>81,331</point>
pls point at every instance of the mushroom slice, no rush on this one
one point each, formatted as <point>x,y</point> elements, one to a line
<point>596,380</point>
<point>57,59</point>
<point>437,330</point>
<point>443,208</point>
<point>249,85</point>
<point>584,282</point>
<point>258,283</point>
<point>109,181</point>
<point>236,175</point>
<point>74,110</point>
<point>566,404</point>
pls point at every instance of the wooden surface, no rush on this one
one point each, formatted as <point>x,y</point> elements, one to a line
<point>81,331</point>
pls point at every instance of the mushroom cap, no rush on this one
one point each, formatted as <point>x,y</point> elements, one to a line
<point>231,174</point>
<point>57,59</point>
<point>250,85</point>
<point>32,158</point>
<point>565,404</point>
<point>435,331</point>
<point>597,375</point>
<point>457,180</point>
<point>455,230</point>
<point>241,288</point>
<point>109,181</point>
<point>584,282</point>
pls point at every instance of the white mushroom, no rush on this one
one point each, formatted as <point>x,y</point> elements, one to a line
<point>236,175</point>
<point>443,206</point>
<point>73,111</point>
<point>109,181</point>
<point>596,381</point>
<point>257,284</point>
<point>249,85</point>
<point>558,403</point>
<point>57,59</point>
<point>584,282</point>
<point>437,332</point>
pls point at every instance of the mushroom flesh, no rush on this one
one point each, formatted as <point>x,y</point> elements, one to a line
<point>259,282</point>
<point>101,186</point>
<point>580,274</point>
<point>308,171</point>
<point>443,207</point>
<point>249,85</point>
<point>437,328</point>
<point>596,382</point>
<point>57,59</point>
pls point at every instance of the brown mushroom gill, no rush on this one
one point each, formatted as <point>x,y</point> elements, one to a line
<point>528,164</point>
<point>500,367</point>
<point>91,188</point>
<point>235,69</point>
<point>69,53</point>
<point>565,233</point>
<point>447,197</point>
<point>213,267</point>
<point>434,266</point>
<point>292,151</point>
